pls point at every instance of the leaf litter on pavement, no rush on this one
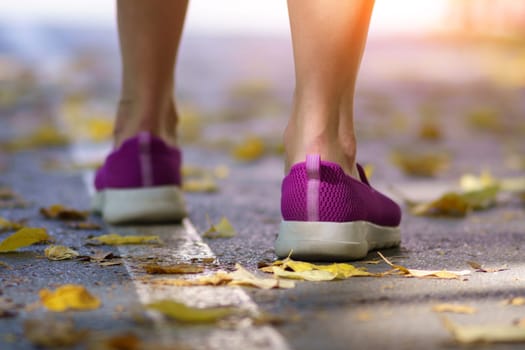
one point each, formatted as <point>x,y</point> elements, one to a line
<point>116,239</point>
<point>59,252</point>
<point>69,297</point>
<point>222,229</point>
<point>61,212</point>
<point>485,333</point>
<point>24,237</point>
<point>53,333</point>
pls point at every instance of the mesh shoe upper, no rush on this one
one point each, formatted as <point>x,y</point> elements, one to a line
<point>141,161</point>
<point>340,197</point>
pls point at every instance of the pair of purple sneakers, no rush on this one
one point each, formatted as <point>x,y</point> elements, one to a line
<point>327,215</point>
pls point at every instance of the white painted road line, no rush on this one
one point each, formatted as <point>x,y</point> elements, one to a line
<point>183,243</point>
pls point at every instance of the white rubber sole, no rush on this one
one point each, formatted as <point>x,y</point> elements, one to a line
<point>333,241</point>
<point>146,205</point>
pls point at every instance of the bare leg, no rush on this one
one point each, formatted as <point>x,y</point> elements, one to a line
<point>329,37</point>
<point>149,33</point>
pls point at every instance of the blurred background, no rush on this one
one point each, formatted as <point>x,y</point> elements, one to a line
<point>446,74</point>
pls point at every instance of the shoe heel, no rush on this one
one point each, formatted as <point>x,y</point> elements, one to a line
<point>319,241</point>
<point>144,205</point>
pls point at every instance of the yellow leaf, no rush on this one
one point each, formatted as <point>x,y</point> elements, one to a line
<point>518,301</point>
<point>444,274</point>
<point>252,148</point>
<point>430,130</point>
<point>242,277</point>
<point>450,204</point>
<point>490,333</point>
<point>485,119</point>
<point>223,229</point>
<point>116,239</point>
<point>59,252</point>
<point>311,275</point>
<point>301,270</point>
<point>44,136</point>
<point>6,225</point>
<point>69,297</point>
<point>239,277</point>
<point>189,314</point>
<point>202,184</point>
<point>58,211</point>
<point>420,164</point>
<point>23,238</point>
<point>343,271</point>
<point>455,308</point>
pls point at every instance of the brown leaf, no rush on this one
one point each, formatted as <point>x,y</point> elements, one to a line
<point>84,226</point>
<point>476,266</point>
<point>124,341</point>
<point>421,164</point>
<point>8,308</point>
<point>7,194</point>
<point>518,301</point>
<point>173,269</point>
<point>52,333</point>
<point>6,225</point>
<point>60,212</point>
<point>59,252</point>
<point>455,308</point>
<point>489,333</point>
<point>444,274</point>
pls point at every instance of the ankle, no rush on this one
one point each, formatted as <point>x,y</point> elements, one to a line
<point>321,124</point>
<point>157,116</point>
<point>337,146</point>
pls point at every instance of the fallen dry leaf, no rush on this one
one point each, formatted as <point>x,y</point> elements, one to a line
<point>444,274</point>
<point>52,333</point>
<point>7,194</point>
<point>239,277</point>
<point>242,277</point>
<point>8,308</point>
<point>421,164</point>
<point>124,341</point>
<point>485,119</point>
<point>250,149</point>
<point>517,301</point>
<point>301,270</point>
<point>69,297</point>
<point>204,184</point>
<point>477,266</point>
<point>60,212</point>
<point>222,229</point>
<point>188,314</point>
<point>430,130</point>
<point>104,259</point>
<point>6,225</point>
<point>23,238</point>
<point>454,308</point>
<point>173,269</point>
<point>457,204</point>
<point>44,136</point>
<point>59,252</point>
<point>83,226</point>
<point>116,239</point>
<point>490,333</point>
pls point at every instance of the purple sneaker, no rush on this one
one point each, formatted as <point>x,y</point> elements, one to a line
<point>140,182</point>
<point>328,215</point>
